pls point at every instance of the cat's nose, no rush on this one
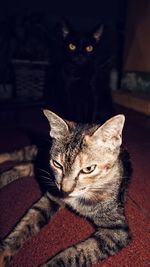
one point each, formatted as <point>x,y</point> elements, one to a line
<point>67,187</point>
<point>80,59</point>
<point>66,192</point>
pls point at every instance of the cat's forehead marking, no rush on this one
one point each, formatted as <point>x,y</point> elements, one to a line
<point>73,148</point>
<point>75,145</point>
<point>61,158</point>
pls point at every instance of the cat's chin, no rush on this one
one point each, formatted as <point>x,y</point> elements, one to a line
<point>79,61</point>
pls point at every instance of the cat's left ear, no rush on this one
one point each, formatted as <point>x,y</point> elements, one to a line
<point>110,132</point>
<point>58,127</point>
<point>112,129</point>
<point>65,28</point>
<point>98,33</point>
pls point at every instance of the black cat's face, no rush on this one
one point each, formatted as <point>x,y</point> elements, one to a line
<point>80,48</point>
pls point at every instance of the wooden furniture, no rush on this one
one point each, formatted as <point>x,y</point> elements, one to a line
<point>133,100</point>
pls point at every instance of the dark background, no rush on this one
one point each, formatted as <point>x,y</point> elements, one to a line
<point>83,15</point>
<point>107,10</point>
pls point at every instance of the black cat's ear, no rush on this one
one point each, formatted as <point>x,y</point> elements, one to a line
<point>98,33</point>
<point>58,127</point>
<point>110,133</point>
<point>65,28</point>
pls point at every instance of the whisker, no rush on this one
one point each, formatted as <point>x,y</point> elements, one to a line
<point>99,189</point>
<point>51,185</point>
<point>44,171</point>
<point>45,177</point>
<point>48,183</point>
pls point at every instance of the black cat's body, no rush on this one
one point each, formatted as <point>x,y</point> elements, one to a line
<point>78,88</point>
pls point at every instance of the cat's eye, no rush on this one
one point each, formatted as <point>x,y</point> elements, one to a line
<point>89,48</point>
<point>88,169</point>
<point>57,164</point>
<point>72,47</point>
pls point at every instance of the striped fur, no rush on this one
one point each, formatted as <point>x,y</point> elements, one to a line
<point>26,153</point>
<point>91,173</point>
<point>31,223</point>
<point>16,172</point>
<point>22,161</point>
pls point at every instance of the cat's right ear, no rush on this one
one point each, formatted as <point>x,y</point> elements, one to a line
<point>58,127</point>
<point>98,33</point>
<point>110,133</point>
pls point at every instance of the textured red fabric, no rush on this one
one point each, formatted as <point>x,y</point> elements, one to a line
<point>66,228</point>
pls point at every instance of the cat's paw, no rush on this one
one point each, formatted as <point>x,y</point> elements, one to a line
<point>50,264</point>
<point>5,256</point>
<point>54,262</point>
<point>62,259</point>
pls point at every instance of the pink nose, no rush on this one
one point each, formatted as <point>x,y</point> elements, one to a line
<point>67,186</point>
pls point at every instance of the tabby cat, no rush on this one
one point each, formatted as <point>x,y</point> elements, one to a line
<point>20,164</point>
<point>78,87</point>
<point>90,171</point>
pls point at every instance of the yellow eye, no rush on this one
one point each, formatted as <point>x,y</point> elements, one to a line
<point>72,47</point>
<point>89,169</point>
<point>57,164</point>
<point>89,48</point>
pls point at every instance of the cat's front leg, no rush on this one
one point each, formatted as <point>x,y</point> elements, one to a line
<point>99,246</point>
<point>36,217</point>
<point>82,254</point>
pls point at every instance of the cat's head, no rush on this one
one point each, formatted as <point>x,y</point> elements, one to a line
<point>85,158</point>
<point>79,47</point>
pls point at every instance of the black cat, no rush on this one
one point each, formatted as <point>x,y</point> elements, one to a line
<point>78,87</point>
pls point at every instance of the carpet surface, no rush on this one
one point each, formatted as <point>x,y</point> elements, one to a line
<point>66,228</point>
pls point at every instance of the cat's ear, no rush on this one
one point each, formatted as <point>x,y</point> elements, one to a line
<point>112,129</point>
<point>110,132</point>
<point>98,33</point>
<point>58,127</point>
<point>65,28</point>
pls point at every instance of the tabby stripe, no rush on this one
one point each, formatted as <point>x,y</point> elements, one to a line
<point>7,259</point>
<point>44,214</point>
<point>69,261</point>
<point>53,206</point>
<point>102,247</point>
<point>108,249</point>
<point>77,259</point>
<point>96,253</point>
<point>80,257</point>
<point>113,227</point>
<point>84,259</point>
<point>84,263</point>
<point>29,228</point>
<point>118,243</point>
<point>61,263</point>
